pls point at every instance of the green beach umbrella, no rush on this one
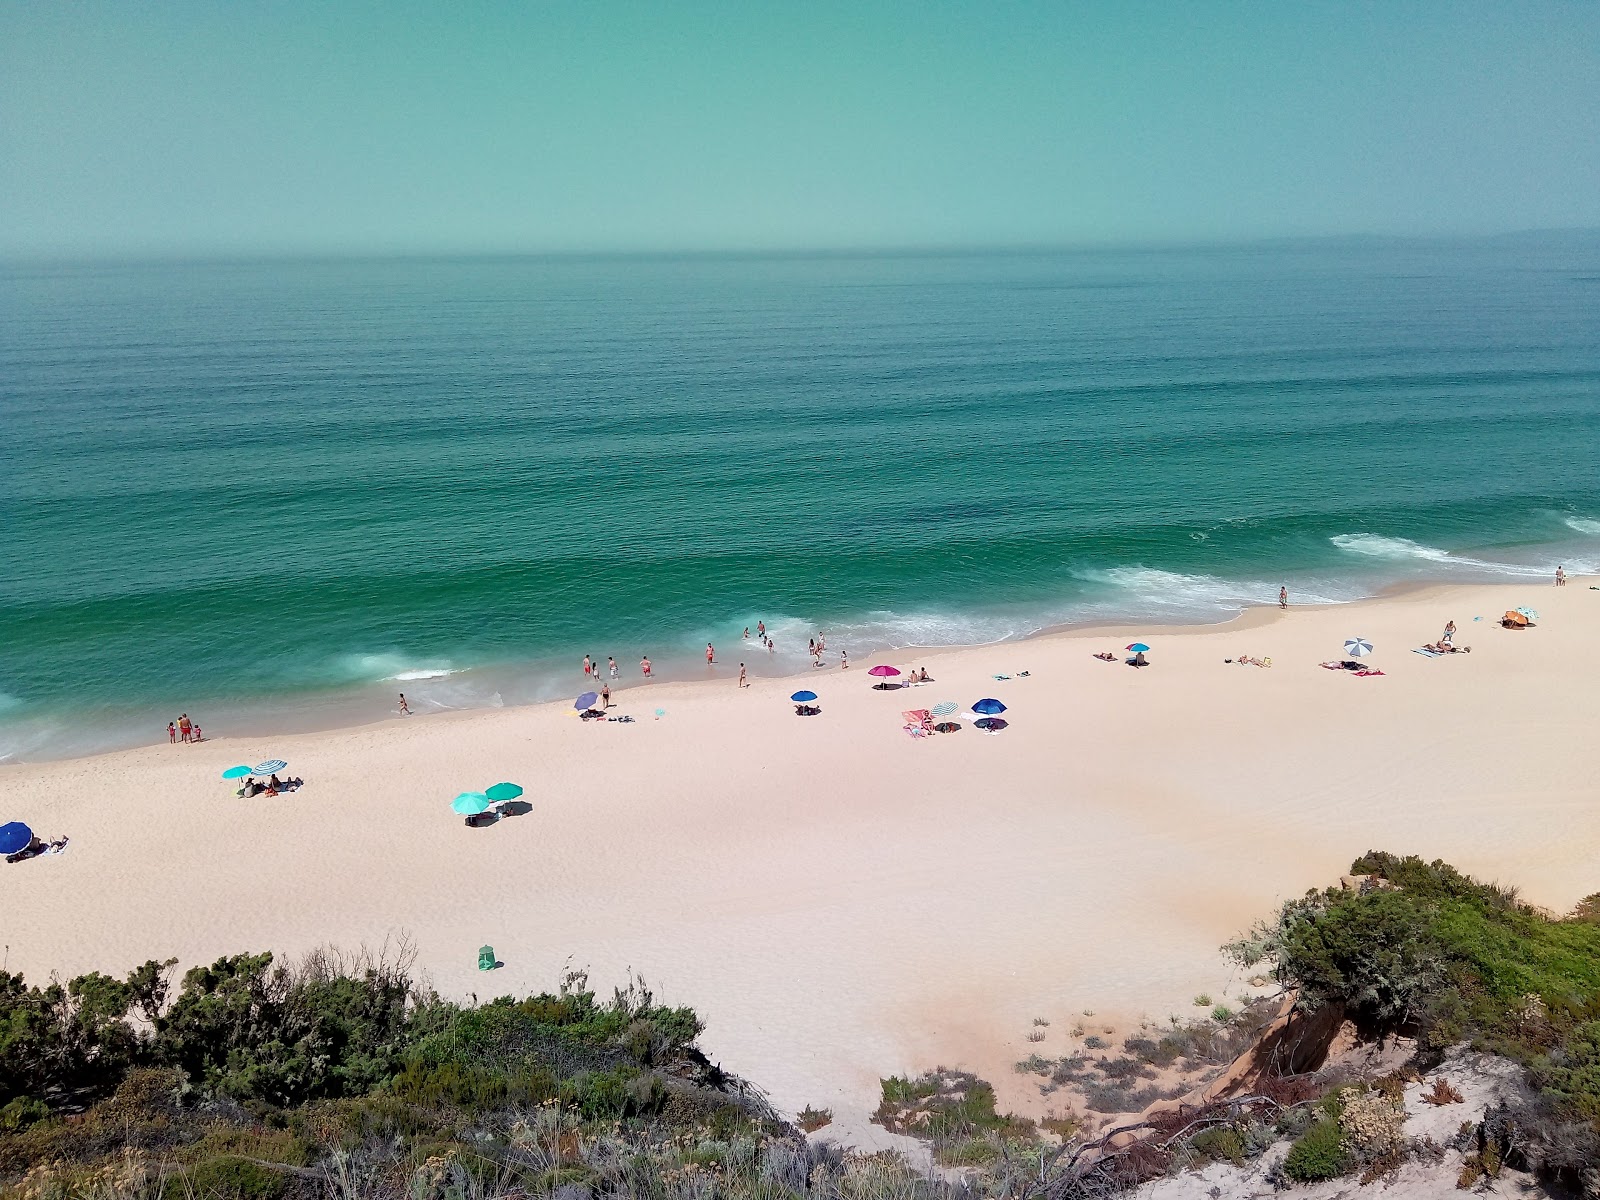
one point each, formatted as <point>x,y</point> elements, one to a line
<point>503,791</point>
<point>470,803</point>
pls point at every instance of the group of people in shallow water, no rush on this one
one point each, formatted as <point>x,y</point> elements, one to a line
<point>184,730</point>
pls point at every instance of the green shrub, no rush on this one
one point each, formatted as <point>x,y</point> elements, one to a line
<point>233,1178</point>
<point>1317,1154</point>
<point>20,1113</point>
<point>1221,1144</point>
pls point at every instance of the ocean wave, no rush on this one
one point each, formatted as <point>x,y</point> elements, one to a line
<point>1584,525</point>
<point>383,668</point>
<point>1395,549</point>
<point>1180,592</point>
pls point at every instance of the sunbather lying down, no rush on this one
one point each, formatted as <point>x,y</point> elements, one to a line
<point>1105,656</point>
<point>37,847</point>
<point>1447,648</point>
<point>1246,661</point>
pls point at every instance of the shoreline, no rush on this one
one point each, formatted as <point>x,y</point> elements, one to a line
<point>1247,618</point>
<point>838,900</point>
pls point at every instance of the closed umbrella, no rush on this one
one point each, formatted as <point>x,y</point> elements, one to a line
<point>238,772</point>
<point>1357,647</point>
<point>989,707</point>
<point>271,767</point>
<point>885,673</point>
<point>502,791</point>
<point>15,837</point>
<point>470,803</point>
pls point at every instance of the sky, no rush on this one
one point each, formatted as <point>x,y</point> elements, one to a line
<point>196,127</point>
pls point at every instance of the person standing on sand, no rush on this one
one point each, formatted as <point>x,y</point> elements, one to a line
<point>605,695</point>
<point>172,733</point>
<point>644,666</point>
<point>743,682</point>
<point>588,667</point>
<point>611,665</point>
<point>184,727</point>
<point>844,660</point>
<point>1283,597</point>
<point>405,709</point>
<point>1561,576</point>
<point>711,654</point>
<point>1449,633</point>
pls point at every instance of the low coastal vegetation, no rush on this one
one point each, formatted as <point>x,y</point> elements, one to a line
<point>342,1077</point>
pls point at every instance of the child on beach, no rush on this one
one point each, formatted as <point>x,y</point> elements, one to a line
<point>172,733</point>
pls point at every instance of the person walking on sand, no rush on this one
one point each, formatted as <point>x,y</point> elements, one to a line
<point>1283,597</point>
<point>1449,633</point>
<point>644,666</point>
<point>743,682</point>
<point>611,665</point>
<point>405,709</point>
<point>1561,576</point>
<point>844,660</point>
<point>605,695</point>
<point>711,654</point>
<point>172,733</point>
<point>588,667</point>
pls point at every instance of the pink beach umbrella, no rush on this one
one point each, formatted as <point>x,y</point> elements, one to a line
<point>883,672</point>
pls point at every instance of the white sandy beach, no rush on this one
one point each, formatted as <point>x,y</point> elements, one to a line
<point>838,900</point>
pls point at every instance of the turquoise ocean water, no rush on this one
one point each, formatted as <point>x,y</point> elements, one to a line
<point>274,494</point>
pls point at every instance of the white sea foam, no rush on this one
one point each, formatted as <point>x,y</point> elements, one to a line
<point>1583,525</point>
<point>426,673</point>
<point>1175,592</point>
<point>1394,549</point>
<point>376,668</point>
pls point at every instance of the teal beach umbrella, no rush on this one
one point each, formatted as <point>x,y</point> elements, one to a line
<point>470,803</point>
<point>236,772</point>
<point>503,791</point>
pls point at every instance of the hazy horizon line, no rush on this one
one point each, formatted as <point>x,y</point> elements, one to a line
<point>199,256</point>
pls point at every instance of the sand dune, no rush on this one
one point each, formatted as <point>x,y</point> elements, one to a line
<point>838,900</point>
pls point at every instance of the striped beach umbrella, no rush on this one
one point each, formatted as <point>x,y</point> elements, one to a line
<point>946,709</point>
<point>271,767</point>
<point>1357,647</point>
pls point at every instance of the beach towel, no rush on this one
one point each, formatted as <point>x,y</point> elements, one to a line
<point>1426,652</point>
<point>917,731</point>
<point>1002,677</point>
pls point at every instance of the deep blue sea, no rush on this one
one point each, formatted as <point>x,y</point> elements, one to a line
<point>277,493</point>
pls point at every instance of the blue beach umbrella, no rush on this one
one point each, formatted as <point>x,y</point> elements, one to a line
<point>271,767</point>
<point>585,701</point>
<point>1139,648</point>
<point>237,772</point>
<point>470,803</point>
<point>503,791</point>
<point>989,707</point>
<point>14,837</point>
<point>803,697</point>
